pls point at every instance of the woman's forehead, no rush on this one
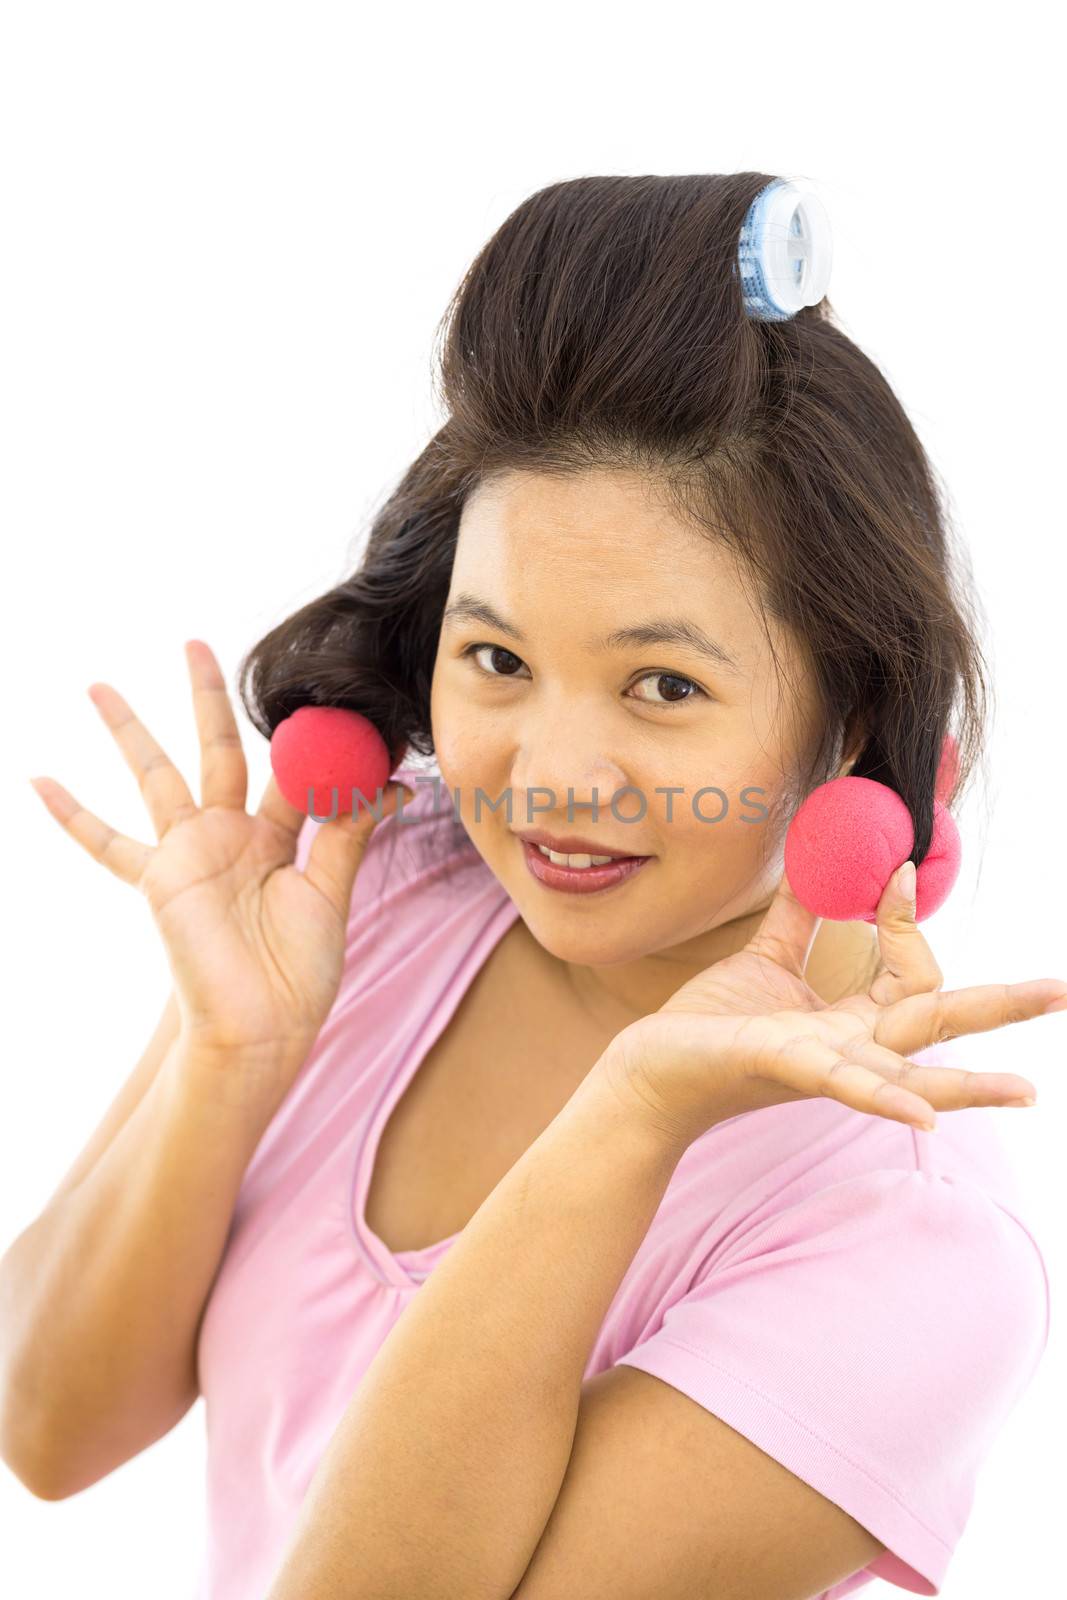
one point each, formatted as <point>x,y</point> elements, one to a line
<point>596,550</point>
<point>592,499</point>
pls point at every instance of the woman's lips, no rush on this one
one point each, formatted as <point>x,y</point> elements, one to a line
<point>579,880</point>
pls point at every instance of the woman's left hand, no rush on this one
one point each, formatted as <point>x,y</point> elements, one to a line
<point>749,1032</point>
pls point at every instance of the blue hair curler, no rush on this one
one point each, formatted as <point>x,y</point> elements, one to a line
<point>785,251</point>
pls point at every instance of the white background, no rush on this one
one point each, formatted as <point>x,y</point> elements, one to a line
<point>229,233</point>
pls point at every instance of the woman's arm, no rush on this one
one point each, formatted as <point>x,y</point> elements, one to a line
<point>444,1473</point>
<point>101,1297</point>
<point>445,1468</point>
<point>129,1097</point>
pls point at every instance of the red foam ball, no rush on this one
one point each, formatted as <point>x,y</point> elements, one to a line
<point>849,837</point>
<point>941,864</point>
<point>843,845</point>
<point>325,757</point>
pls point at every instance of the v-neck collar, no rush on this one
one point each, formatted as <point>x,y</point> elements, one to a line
<point>406,1269</point>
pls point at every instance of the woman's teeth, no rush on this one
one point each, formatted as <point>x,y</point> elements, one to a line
<point>576,861</point>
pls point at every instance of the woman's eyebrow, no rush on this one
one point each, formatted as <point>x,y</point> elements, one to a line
<point>677,631</point>
<point>660,630</point>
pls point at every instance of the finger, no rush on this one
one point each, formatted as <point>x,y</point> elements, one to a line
<point>276,808</point>
<point>223,769</point>
<point>944,1088</point>
<point>125,857</point>
<point>787,932</point>
<point>813,1068</point>
<point>908,965</point>
<point>338,848</point>
<point>162,786</point>
<point>921,1020</point>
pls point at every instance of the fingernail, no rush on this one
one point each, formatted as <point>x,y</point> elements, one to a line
<point>906,880</point>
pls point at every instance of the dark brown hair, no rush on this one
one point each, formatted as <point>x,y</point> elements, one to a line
<point>603,325</point>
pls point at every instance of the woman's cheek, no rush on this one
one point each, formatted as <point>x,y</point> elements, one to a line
<point>721,828</point>
<point>470,757</point>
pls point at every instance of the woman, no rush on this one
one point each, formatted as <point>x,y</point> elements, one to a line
<point>534,1225</point>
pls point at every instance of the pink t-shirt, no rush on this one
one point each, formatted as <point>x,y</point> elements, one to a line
<point>861,1301</point>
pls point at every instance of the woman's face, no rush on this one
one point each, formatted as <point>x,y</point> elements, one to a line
<point>541,699</point>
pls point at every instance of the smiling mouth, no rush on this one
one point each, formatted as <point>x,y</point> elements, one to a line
<point>578,860</point>
<point>571,876</point>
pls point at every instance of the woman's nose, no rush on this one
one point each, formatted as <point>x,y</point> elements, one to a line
<point>551,785</point>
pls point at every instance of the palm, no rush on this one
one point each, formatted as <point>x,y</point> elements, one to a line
<point>745,984</point>
<point>752,1007</point>
<point>773,1005</point>
<point>252,937</point>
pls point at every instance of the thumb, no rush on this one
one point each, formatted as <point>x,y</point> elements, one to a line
<point>339,846</point>
<point>908,965</point>
<point>787,932</point>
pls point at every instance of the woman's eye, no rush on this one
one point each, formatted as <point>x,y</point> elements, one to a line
<point>674,684</point>
<point>496,650</point>
<point>671,688</point>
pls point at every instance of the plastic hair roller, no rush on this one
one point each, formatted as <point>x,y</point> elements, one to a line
<point>850,836</point>
<point>323,757</point>
<point>785,251</point>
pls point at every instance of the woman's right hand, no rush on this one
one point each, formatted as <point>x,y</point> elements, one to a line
<point>255,946</point>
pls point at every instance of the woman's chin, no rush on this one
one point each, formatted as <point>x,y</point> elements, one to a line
<point>589,929</point>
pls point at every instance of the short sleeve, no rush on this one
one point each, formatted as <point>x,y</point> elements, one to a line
<point>873,1338</point>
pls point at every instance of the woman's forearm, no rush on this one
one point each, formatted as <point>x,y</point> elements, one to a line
<point>445,1468</point>
<point>101,1297</point>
